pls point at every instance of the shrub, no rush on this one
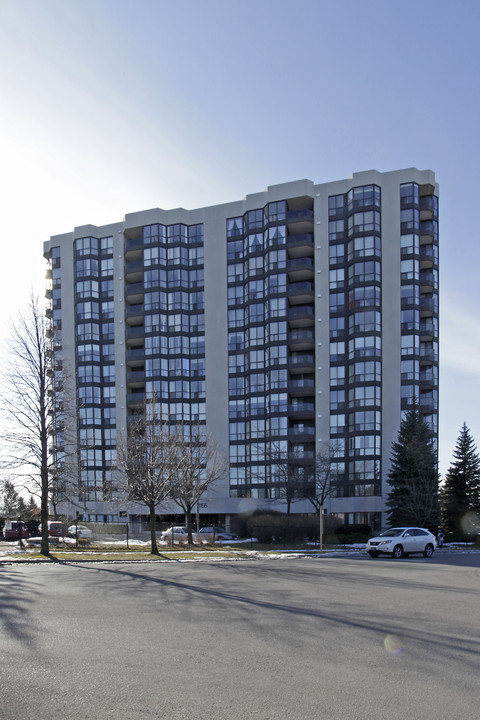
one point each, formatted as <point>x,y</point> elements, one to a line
<point>272,526</point>
<point>355,532</point>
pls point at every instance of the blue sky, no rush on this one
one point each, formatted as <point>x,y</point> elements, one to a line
<point>109,106</point>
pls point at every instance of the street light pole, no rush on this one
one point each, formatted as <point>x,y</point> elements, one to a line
<point>20,542</point>
<point>321,527</point>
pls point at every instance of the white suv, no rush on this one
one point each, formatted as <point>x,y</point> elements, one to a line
<point>401,542</point>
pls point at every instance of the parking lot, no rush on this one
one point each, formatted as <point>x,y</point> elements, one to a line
<point>308,638</point>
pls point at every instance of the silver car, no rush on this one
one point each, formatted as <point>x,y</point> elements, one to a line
<point>217,532</point>
<point>179,534</point>
<point>80,531</point>
<point>401,542</point>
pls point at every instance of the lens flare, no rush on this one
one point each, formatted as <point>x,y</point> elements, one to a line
<point>471,524</point>
<point>393,644</point>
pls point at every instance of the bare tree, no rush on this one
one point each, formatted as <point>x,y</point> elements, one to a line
<point>291,473</point>
<point>198,465</point>
<point>146,461</point>
<point>322,478</point>
<point>28,407</point>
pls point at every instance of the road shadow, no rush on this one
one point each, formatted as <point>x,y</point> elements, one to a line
<point>259,605</point>
<point>17,592</point>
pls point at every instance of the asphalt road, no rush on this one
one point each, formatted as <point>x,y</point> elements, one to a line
<point>320,638</point>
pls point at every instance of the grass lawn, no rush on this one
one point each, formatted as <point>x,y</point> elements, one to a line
<point>95,552</point>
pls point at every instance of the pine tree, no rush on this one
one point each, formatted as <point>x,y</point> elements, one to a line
<point>413,475</point>
<point>10,500</point>
<point>22,508</point>
<point>461,490</point>
<point>33,509</point>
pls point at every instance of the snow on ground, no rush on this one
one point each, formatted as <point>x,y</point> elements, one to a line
<point>13,552</point>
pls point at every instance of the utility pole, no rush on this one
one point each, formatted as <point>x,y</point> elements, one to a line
<point>321,527</point>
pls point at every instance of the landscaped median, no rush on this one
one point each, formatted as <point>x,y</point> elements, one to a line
<point>118,552</point>
<point>141,553</point>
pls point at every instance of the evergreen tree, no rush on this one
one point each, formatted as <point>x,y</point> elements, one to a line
<point>461,490</point>
<point>22,508</point>
<point>9,500</point>
<point>33,509</point>
<point>413,475</point>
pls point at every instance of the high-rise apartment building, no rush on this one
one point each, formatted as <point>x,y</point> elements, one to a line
<point>297,319</point>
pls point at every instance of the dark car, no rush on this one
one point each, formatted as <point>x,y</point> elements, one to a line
<point>55,528</point>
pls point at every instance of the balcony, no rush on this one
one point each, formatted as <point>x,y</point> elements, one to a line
<point>300,245</point>
<point>136,399</point>
<point>428,356</point>
<point>428,256</point>
<point>301,433</point>
<point>135,335</point>
<point>301,340</point>
<point>428,404</point>
<point>300,269</point>
<point>135,292</point>
<point>136,378</point>
<point>134,313</point>
<point>301,387</point>
<point>427,379</point>
<point>428,207</point>
<point>300,293</point>
<point>428,232</point>
<point>302,410</point>
<point>427,281</point>
<point>301,364</point>
<point>300,456</point>
<point>300,221</point>
<point>428,306</point>
<point>134,271</point>
<point>428,203</point>
<point>301,316</point>
<point>428,329</point>
<point>136,356</point>
<point>134,249</point>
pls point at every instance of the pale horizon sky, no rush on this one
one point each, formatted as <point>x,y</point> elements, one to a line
<point>110,107</point>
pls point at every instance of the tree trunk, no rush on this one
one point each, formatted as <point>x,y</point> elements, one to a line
<point>44,545</point>
<point>153,535</point>
<point>188,518</point>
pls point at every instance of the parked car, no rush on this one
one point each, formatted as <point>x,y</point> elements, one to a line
<point>216,532</point>
<point>11,530</point>
<point>401,542</point>
<point>55,528</point>
<point>81,531</point>
<point>179,533</point>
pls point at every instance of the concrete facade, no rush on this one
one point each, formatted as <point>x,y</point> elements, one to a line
<point>309,277</point>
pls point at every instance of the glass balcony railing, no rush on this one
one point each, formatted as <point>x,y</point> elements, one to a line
<point>299,215</point>
<point>133,311</point>
<point>135,289</point>
<point>300,263</point>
